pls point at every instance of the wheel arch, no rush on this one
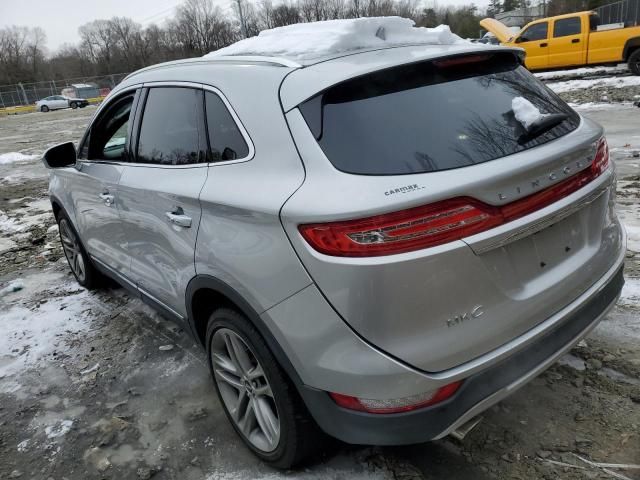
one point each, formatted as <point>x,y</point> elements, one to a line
<point>205,294</point>
<point>630,46</point>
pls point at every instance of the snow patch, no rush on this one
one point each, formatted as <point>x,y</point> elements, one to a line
<point>525,112</point>
<point>14,286</point>
<point>630,295</point>
<point>13,157</point>
<point>312,40</point>
<point>611,82</point>
<point>59,429</point>
<point>582,72</point>
<point>23,446</point>
<point>633,237</point>
<point>28,335</point>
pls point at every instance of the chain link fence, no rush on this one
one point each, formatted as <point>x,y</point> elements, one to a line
<point>20,94</point>
<point>626,11</point>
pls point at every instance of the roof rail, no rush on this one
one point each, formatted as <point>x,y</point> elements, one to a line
<point>278,61</point>
<point>282,61</point>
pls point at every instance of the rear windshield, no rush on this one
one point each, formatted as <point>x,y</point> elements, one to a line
<point>431,116</point>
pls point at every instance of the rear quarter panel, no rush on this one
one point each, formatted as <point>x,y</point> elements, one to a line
<point>608,46</point>
<point>241,240</point>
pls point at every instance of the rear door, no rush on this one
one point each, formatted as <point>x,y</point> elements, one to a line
<point>159,192</point>
<point>567,46</point>
<point>60,102</point>
<point>94,191</point>
<point>535,40</point>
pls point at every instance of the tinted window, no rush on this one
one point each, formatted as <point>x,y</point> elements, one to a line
<point>227,143</point>
<point>567,26</point>
<point>108,137</point>
<point>535,32</point>
<point>171,131</point>
<point>426,118</point>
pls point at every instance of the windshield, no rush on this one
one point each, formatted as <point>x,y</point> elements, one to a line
<point>431,116</point>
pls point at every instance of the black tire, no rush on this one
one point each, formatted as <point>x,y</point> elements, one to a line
<point>92,278</point>
<point>82,105</point>
<point>73,105</point>
<point>44,108</point>
<point>634,62</point>
<point>299,437</point>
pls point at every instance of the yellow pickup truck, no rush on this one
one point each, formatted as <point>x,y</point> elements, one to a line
<point>571,40</point>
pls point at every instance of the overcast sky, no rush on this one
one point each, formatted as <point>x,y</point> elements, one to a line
<point>60,19</point>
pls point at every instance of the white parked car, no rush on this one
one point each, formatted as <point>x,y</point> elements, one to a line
<point>55,102</point>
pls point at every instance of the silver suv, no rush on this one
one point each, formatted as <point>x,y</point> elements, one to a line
<point>368,245</point>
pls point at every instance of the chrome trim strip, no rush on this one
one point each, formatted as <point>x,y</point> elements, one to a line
<point>136,287</point>
<point>114,272</point>
<point>542,223</point>
<point>162,304</point>
<point>513,230</point>
<point>199,86</point>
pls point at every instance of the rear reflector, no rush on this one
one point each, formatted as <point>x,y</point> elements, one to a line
<point>396,405</point>
<point>438,223</point>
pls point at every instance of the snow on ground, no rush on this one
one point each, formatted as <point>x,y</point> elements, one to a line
<point>633,237</point>
<point>610,82</point>
<point>585,71</point>
<point>29,334</point>
<point>13,157</point>
<point>599,105</point>
<point>630,295</point>
<point>310,40</point>
<point>36,212</point>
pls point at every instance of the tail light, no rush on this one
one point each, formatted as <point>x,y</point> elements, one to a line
<point>440,222</point>
<point>396,405</point>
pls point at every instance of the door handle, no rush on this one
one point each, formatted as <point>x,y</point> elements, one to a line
<point>575,40</point>
<point>107,198</point>
<point>543,44</point>
<point>177,217</point>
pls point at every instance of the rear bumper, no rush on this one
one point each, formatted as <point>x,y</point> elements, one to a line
<point>479,391</point>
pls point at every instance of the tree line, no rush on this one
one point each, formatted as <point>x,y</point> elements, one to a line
<point>120,44</point>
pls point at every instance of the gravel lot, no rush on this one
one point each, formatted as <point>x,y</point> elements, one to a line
<point>86,391</point>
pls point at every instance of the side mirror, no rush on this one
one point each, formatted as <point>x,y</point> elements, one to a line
<point>519,40</point>
<point>60,156</point>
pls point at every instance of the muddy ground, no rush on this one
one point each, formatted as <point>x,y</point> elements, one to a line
<point>96,385</point>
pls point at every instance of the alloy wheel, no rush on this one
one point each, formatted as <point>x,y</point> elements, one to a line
<point>72,251</point>
<point>245,390</point>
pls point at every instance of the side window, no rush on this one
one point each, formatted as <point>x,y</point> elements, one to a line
<point>535,32</point>
<point>225,139</point>
<point>172,130</point>
<point>566,27</point>
<point>108,137</point>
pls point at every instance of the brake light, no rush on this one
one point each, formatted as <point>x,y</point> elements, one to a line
<point>464,60</point>
<point>440,222</point>
<point>397,405</point>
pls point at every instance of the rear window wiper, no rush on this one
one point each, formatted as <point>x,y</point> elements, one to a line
<point>543,124</point>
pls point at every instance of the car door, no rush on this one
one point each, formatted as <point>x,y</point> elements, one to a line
<point>567,46</point>
<point>94,191</point>
<point>58,102</point>
<point>159,193</point>
<point>534,39</point>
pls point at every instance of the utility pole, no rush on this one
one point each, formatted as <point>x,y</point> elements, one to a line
<point>243,27</point>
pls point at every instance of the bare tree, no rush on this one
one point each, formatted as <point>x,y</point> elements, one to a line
<point>201,27</point>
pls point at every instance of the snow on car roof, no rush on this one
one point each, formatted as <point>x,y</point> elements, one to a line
<point>303,41</point>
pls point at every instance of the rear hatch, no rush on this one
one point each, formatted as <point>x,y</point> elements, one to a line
<point>435,225</point>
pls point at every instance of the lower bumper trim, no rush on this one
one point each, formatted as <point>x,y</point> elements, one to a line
<point>434,422</point>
